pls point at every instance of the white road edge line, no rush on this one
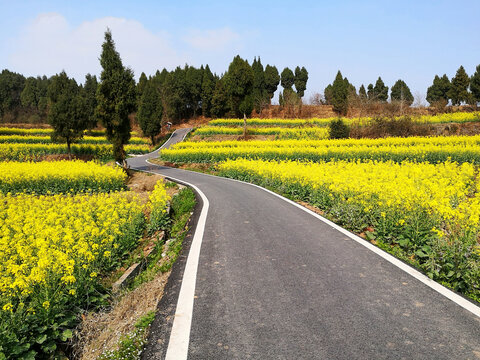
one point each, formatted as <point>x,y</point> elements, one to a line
<point>180,334</point>
<point>449,294</point>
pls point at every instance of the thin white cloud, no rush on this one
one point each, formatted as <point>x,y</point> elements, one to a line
<point>49,44</point>
<point>212,40</point>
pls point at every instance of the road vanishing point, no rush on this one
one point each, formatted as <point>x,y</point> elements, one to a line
<point>260,277</point>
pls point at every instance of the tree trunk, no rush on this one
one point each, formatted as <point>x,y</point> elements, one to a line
<point>69,150</point>
<point>244,127</point>
<point>153,139</point>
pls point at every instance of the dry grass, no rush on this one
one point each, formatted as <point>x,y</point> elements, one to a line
<point>102,331</point>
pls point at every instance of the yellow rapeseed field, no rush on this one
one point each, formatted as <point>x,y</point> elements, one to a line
<point>432,149</point>
<point>59,177</point>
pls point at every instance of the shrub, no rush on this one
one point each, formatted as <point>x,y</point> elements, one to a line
<point>338,129</point>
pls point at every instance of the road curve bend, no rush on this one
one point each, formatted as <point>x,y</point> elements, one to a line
<point>275,282</point>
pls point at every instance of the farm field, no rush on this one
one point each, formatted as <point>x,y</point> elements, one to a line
<point>18,144</point>
<point>433,149</point>
<point>415,197</point>
<point>64,226</point>
<point>459,117</point>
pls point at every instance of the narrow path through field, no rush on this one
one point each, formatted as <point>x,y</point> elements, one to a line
<point>274,282</point>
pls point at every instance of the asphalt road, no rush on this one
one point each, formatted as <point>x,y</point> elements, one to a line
<point>274,282</point>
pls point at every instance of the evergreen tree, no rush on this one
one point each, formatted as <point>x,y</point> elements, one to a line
<point>401,92</point>
<point>193,78</point>
<point>458,92</point>
<point>239,86</point>
<point>259,92</point>
<point>142,81</point>
<point>272,79</point>
<point>219,99</point>
<point>340,94</point>
<point>328,94</point>
<point>116,97</point>
<point>362,93</point>
<point>150,111</point>
<point>475,85</point>
<point>439,89</point>
<point>90,94</point>
<point>380,90</point>
<point>371,92</point>
<point>30,95</point>
<point>352,91</point>
<point>208,88</point>
<point>175,95</point>
<point>66,110</point>
<point>287,78</point>
<point>301,78</point>
<point>11,86</point>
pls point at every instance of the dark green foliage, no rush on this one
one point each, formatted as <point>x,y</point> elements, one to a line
<point>90,94</point>
<point>458,92</point>
<point>380,90</point>
<point>370,92</point>
<point>337,129</point>
<point>11,86</point>
<point>193,80</point>
<point>301,78</point>
<point>66,110</point>
<point>30,93</point>
<point>34,96</point>
<point>475,85</point>
<point>208,88</point>
<point>439,89</point>
<point>150,111</point>
<point>272,79</point>
<point>287,78</point>
<point>219,99</point>
<point>142,81</point>
<point>401,92</point>
<point>239,86</point>
<point>259,93</point>
<point>362,93</point>
<point>175,95</point>
<point>328,94</point>
<point>352,91</point>
<point>340,91</point>
<point>116,97</point>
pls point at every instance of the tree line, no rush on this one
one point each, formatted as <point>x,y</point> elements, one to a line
<point>460,89</point>
<point>177,95</point>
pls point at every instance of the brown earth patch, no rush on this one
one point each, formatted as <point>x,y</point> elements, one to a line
<point>102,331</point>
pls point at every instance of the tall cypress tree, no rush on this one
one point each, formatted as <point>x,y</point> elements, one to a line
<point>439,89</point>
<point>66,110</point>
<point>301,78</point>
<point>150,111</point>
<point>208,88</point>
<point>272,79</point>
<point>458,92</point>
<point>142,81</point>
<point>475,85</point>
<point>287,79</point>
<point>380,90</point>
<point>401,92</point>
<point>340,94</point>
<point>116,97</point>
<point>362,93</point>
<point>328,94</point>
<point>239,86</point>
<point>371,92</point>
<point>259,91</point>
<point>90,94</point>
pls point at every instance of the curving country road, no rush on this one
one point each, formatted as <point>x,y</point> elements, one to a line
<point>276,282</point>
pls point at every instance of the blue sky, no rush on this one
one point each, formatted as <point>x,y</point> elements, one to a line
<point>411,40</point>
